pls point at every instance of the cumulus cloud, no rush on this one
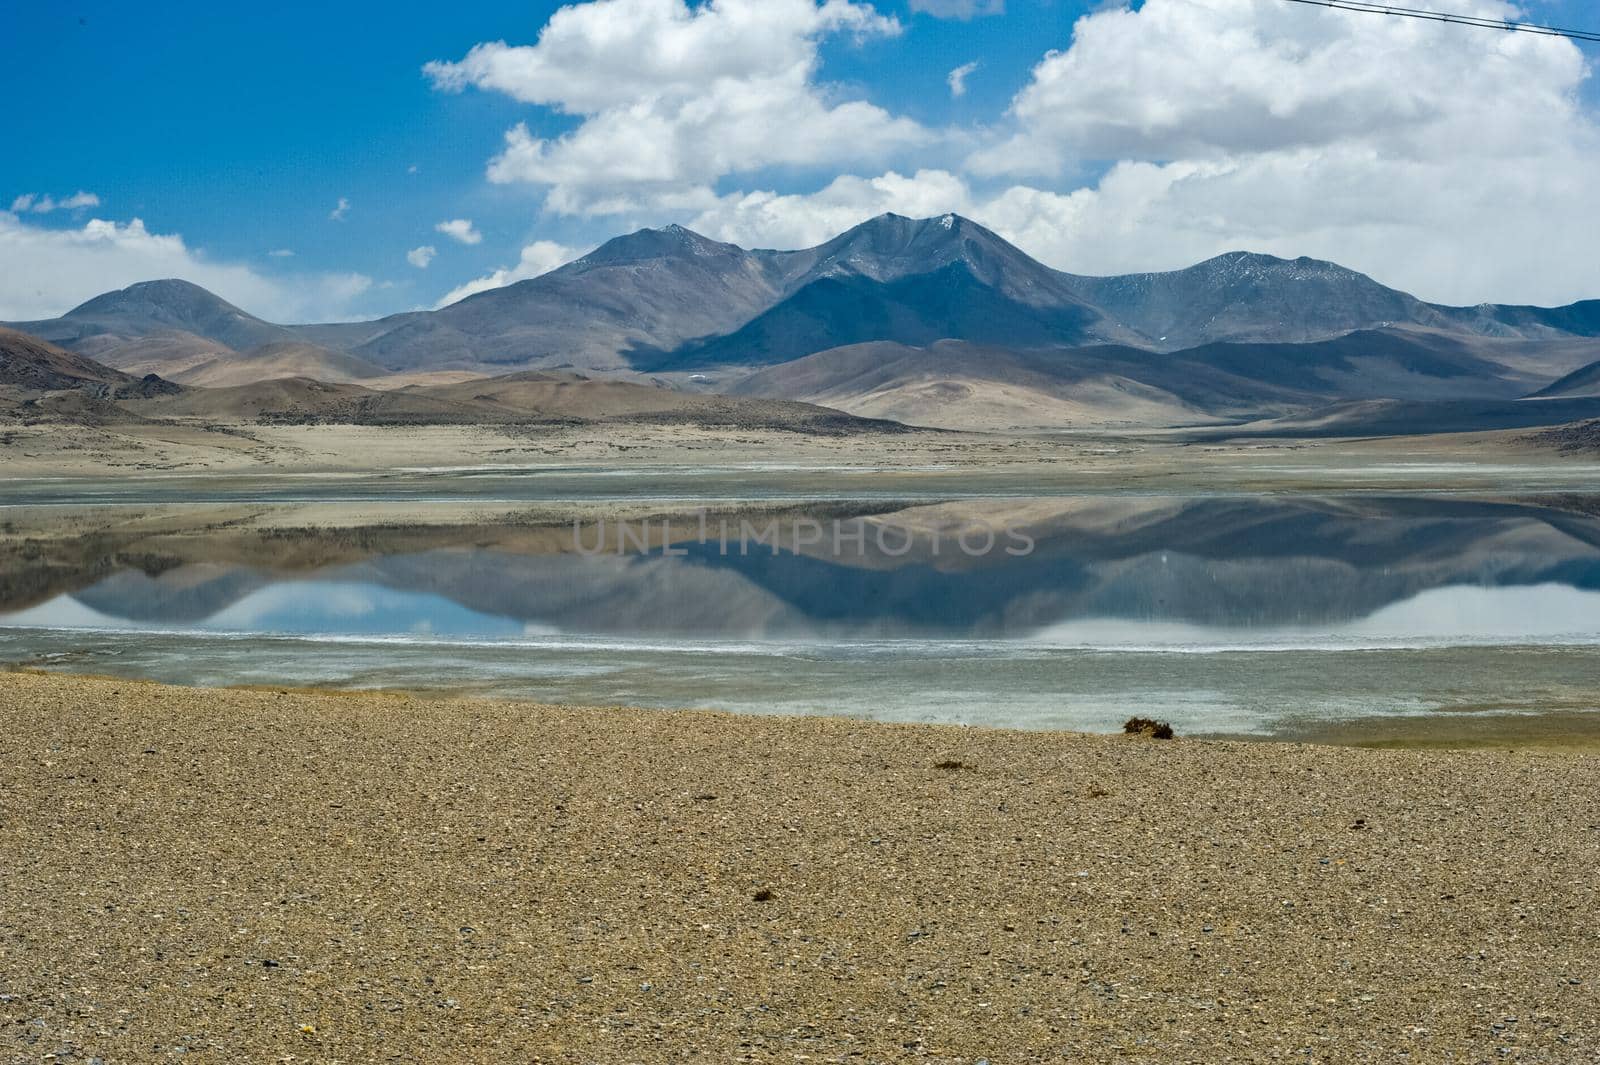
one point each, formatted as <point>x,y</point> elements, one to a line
<point>45,272</point>
<point>421,257</point>
<point>540,257</point>
<point>1451,164</point>
<point>460,229</point>
<point>1454,165</point>
<point>959,9</point>
<point>1182,79</point>
<point>1492,236</point>
<point>340,209</point>
<point>766,219</point>
<point>673,98</point>
<point>1146,216</point>
<point>610,53</point>
<point>957,78</point>
<point>37,204</point>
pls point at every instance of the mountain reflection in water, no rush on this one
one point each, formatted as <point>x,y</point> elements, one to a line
<point>914,632</point>
<point>1098,570</point>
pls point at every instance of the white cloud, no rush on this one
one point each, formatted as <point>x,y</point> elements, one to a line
<point>1452,164</point>
<point>45,272</point>
<point>591,57</point>
<point>282,253</point>
<point>961,9</point>
<point>1180,79</point>
<point>460,229</point>
<point>37,204</point>
<point>957,78</point>
<point>768,220</point>
<point>1426,226</point>
<point>1455,165</point>
<point>421,257</point>
<point>340,209</point>
<point>540,257</point>
<point>673,98</point>
<point>1147,216</point>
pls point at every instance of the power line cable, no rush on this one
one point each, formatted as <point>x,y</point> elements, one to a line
<point>1476,21</point>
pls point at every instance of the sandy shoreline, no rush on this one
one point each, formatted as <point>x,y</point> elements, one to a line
<point>260,876</point>
<point>1086,460</point>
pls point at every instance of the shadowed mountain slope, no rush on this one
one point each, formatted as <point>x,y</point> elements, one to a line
<point>671,298</point>
<point>1244,296</point>
<point>1394,417</point>
<point>1249,297</point>
<point>1580,382</point>
<point>953,384</point>
<point>951,302</point>
<point>30,365</point>
<point>651,289</point>
<point>640,297</point>
<point>26,362</point>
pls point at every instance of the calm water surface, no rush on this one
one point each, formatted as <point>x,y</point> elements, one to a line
<point>1229,615</point>
<point>775,482</point>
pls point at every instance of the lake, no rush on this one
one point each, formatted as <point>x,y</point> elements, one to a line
<point>1229,615</point>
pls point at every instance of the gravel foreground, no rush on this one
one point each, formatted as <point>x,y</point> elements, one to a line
<point>256,876</point>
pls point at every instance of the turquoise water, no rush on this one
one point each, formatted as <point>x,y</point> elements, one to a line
<point>1286,690</point>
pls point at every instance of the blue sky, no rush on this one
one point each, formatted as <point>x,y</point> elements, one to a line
<point>238,129</point>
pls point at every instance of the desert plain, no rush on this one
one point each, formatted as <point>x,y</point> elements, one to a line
<point>277,875</point>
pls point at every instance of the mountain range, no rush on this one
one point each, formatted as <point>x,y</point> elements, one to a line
<point>42,382</point>
<point>937,321</point>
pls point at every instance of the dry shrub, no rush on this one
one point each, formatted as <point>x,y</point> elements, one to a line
<point>1148,727</point>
